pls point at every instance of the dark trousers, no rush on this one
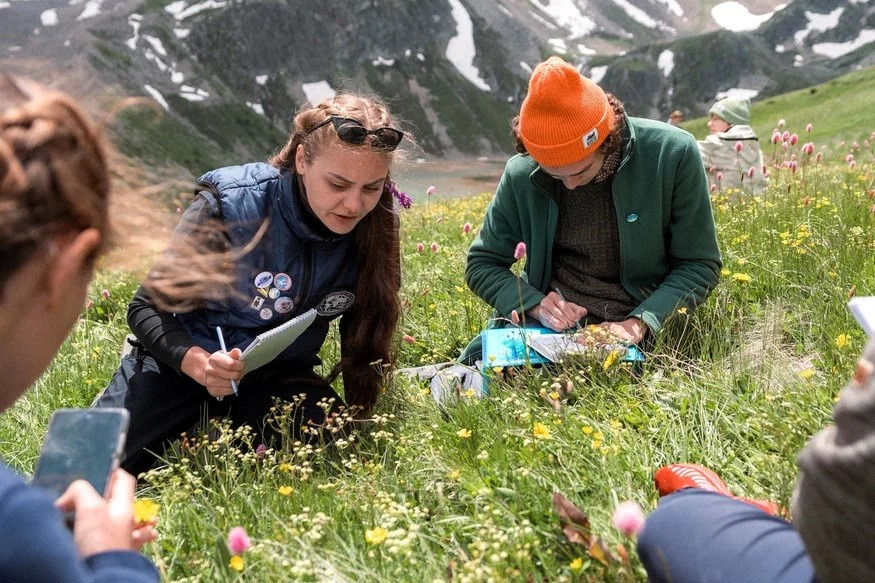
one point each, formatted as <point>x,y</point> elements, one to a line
<point>163,404</point>
<point>704,537</point>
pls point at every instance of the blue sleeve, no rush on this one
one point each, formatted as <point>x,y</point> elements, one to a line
<point>36,546</point>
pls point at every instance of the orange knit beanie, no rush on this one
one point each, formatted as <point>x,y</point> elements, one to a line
<point>565,116</point>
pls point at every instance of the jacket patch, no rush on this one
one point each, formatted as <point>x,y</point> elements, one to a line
<point>335,303</point>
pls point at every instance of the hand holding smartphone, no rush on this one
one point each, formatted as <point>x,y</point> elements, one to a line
<point>81,444</point>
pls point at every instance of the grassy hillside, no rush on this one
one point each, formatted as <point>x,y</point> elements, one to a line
<point>838,109</point>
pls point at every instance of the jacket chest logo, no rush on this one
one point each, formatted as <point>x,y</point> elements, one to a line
<point>335,303</point>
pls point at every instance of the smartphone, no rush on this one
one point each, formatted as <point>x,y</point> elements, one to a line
<point>81,444</point>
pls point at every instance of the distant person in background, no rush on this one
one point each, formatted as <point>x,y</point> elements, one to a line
<point>614,212</point>
<point>732,152</point>
<point>700,533</point>
<point>331,243</point>
<point>676,117</point>
<point>54,189</point>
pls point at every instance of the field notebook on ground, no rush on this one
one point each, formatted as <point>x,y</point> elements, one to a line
<point>268,345</point>
<point>537,345</point>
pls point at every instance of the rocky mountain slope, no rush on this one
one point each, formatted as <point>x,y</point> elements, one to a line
<point>230,74</point>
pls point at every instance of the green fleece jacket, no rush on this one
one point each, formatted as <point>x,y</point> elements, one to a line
<point>668,245</point>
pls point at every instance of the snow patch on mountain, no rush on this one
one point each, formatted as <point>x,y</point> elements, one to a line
<point>316,92</point>
<point>735,17</point>
<point>460,50</point>
<point>836,50</point>
<point>566,14</point>
<point>819,23</point>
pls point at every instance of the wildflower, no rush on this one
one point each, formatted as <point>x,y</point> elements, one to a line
<point>713,188</point>
<point>466,228</point>
<point>434,247</point>
<point>610,359</point>
<point>587,430</point>
<point>403,199</point>
<point>793,139</point>
<point>236,563</point>
<point>842,340</point>
<point>751,171</point>
<point>807,373</point>
<point>285,490</point>
<point>420,247</point>
<point>285,467</point>
<point>781,123</point>
<point>260,451</point>
<point>849,158</point>
<point>808,148</point>
<point>430,190</point>
<point>719,177</point>
<point>408,339</point>
<point>145,510</point>
<point>464,433</point>
<point>739,146</point>
<point>89,304</point>
<point>628,518</point>
<point>712,169</point>
<point>806,201</point>
<point>238,540</point>
<point>376,536</point>
<point>852,164</point>
<point>785,136</point>
<point>105,293</point>
<point>520,251</point>
<point>819,157</point>
<point>682,310</point>
<point>808,128</point>
<point>576,565</point>
<point>725,272</point>
<point>776,137</point>
<point>793,165</point>
<point>454,475</point>
<point>541,431</point>
<point>742,277</point>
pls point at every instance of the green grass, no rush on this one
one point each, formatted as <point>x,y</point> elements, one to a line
<point>820,105</point>
<point>464,494</point>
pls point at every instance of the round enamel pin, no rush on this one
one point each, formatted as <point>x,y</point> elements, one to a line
<point>282,281</point>
<point>335,303</point>
<point>266,313</point>
<point>283,304</point>
<point>263,279</point>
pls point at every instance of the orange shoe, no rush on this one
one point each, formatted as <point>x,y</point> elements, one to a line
<point>670,479</point>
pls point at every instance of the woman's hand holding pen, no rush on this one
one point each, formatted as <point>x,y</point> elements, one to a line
<point>214,371</point>
<point>554,312</point>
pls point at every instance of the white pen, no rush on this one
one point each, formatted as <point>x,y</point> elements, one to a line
<point>225,350</point>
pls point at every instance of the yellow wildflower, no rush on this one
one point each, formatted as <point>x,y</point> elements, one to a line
<point>587,430</point>
<point>376,535</point>
<point>541,431</point>
<point>286,468</point>
<point>725,272</point>
<point>682,310</point>
<point>742,277</point>
<point>454,475</point>
<point>611,359</point>
<point>236,563</point>
<point>576,565</point>
<point>807,373</point>
<point>464,433</point>
<point>554,395</point>
<point>285,490</point>
<point>842,340</point>
<point>145,510</point>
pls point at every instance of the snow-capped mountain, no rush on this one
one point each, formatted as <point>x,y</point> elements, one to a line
<point>230,73</point>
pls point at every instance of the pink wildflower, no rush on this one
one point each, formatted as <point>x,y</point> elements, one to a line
<point>420,247</point>
<point>808,148</point>
<point>786,136</point>
<point>751,171</point>
<point>712,169</point>
<point>713,188</point>
<point>855,146</point>
<point>434,247</point>
<point>808,128</point>
<point>520,251</point>
<point>776,137</point>
<point>781,123</point>
<point>466,228</point>
<point>793,139</point>
<point>89,304</point>
<point>739,146</point>
<point>430,190</point>
<point>849,158</point>
<point>408,339</point>
<point>628,518</point>
<point>105,293</point>
<point>238,540</point>
<point>793,165</point>
<point>260,451</point>
<point>806,201</point>
<point>852,164</point>
<point>719,177</point>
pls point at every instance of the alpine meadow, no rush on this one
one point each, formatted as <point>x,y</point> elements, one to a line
<point>522,485</point>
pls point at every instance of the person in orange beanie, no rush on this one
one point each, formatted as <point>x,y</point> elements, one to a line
<point>613,210</point>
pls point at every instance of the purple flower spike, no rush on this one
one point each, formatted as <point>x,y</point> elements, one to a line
<point>401,196</point>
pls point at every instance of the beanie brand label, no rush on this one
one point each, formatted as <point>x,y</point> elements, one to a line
<point>590,138</point>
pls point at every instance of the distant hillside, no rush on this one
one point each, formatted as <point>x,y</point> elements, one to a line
<point>229,74</point>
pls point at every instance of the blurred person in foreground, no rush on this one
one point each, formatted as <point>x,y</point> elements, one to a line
<point>54,188</point>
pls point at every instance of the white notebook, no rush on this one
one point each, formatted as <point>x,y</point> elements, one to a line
<point>268,345</point>
<point>863,309</point>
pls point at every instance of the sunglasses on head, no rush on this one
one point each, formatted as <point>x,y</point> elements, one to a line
<point>353,132</point>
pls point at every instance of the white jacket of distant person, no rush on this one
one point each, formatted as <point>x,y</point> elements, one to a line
<point>732,153</point>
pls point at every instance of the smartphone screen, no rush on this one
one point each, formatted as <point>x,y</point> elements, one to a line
<point>81,444</point>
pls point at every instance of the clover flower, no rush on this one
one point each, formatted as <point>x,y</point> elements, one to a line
<point>628,518</point>
<point>520,251</point>
<point>238,540</point>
